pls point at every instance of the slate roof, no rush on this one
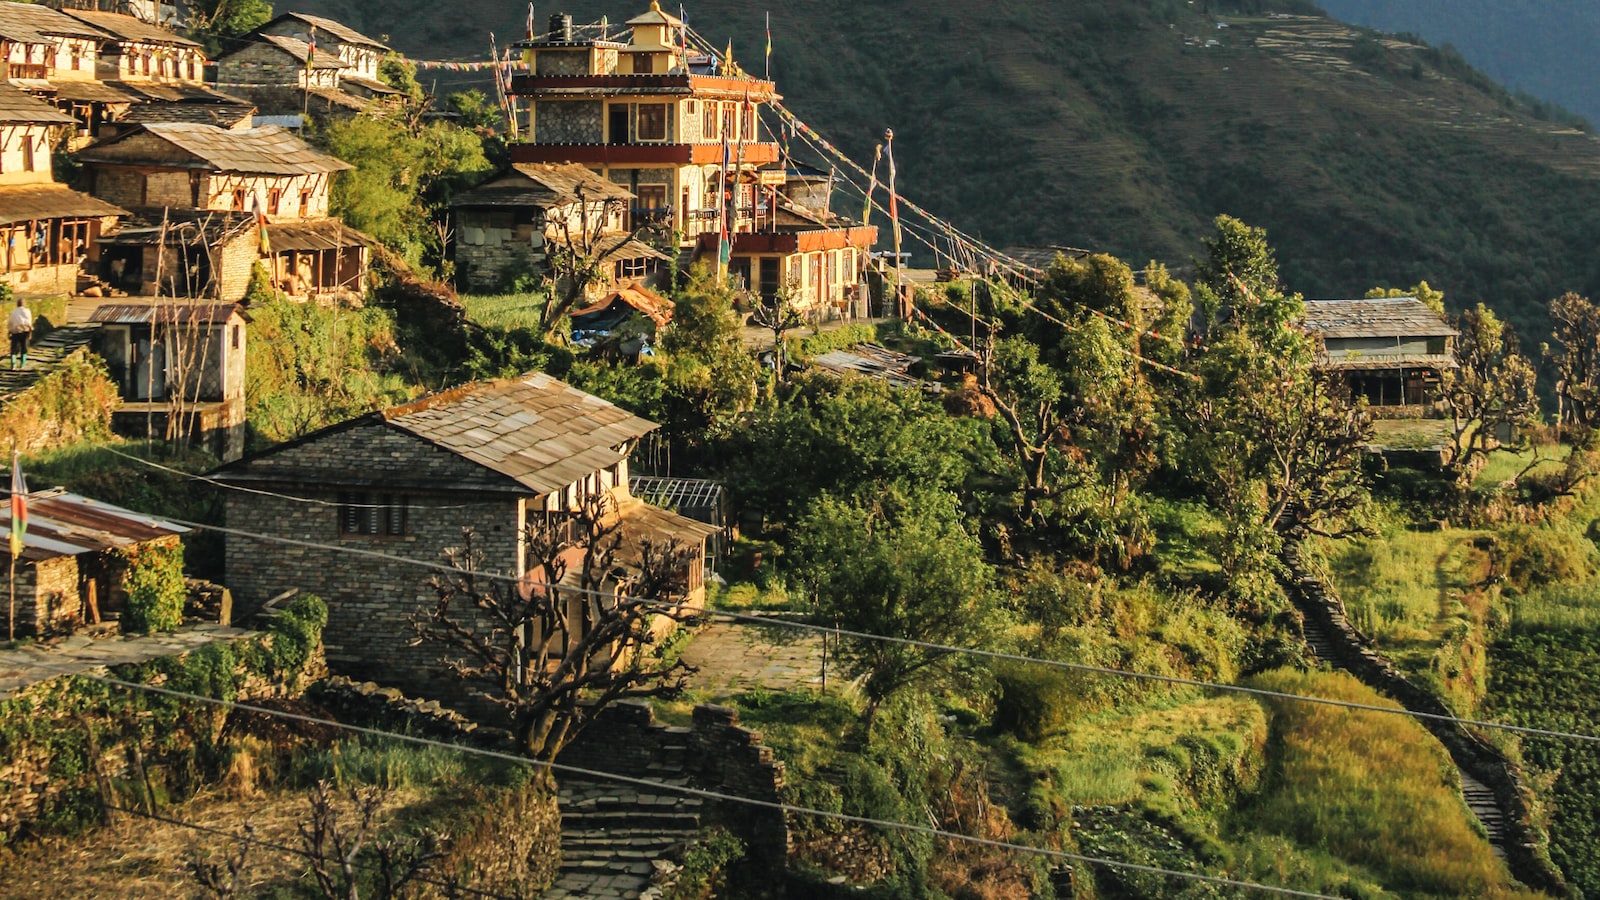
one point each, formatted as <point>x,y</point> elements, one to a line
<point>319,234</point>
<point>255,151</point>
<point>30,23</point>
<point>1377,318</point>
<point>613,247</point>
<point>91,92</point>
<point>20,107</point>
<point>64,524</point>
<point>537,431</point>
<point>341,32</point>
<point>183,227</point>
<point>27,202</point>
<point>299,50</point>
<point>128,28</point>
<point>223,115</point>
<point>544,186</point>
<point>177,93</point>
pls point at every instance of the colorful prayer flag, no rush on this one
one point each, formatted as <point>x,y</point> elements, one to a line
<point>311,47</point>
<point>261,224</point>
<point>530,21</point>
<point>19,505</point>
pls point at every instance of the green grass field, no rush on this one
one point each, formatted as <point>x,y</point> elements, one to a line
<point>504,311</point>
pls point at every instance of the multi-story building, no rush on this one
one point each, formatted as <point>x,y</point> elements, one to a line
<point>299,62</point>
<point>46,229</point>
<point>681,131</point>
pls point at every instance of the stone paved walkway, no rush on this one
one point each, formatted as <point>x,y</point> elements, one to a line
<point>78,653</point>
<point>737,657</point>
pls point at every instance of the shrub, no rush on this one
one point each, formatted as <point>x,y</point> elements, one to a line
<point>154,582</point>
<point>704,864</point>
<point>1530,556</point>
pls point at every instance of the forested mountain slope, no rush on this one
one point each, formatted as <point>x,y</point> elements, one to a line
<point>1125,126</point>
<point>1539,46</point>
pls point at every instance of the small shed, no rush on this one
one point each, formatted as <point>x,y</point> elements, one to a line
<point>606,315</point>
<point>73,563</point>
<point>181,368</point>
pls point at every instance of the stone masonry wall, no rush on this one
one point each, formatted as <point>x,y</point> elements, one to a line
<point>371,601</point>
<point>569,121</point>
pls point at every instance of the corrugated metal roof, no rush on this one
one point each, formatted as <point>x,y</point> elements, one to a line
<point>20,107</point>
<point>64,524</point>
<point>340,31</point>
<point>536,430</point>
<point>30,23</point>
<point>166,312</point>
<point>254,151</point>
<point>1381,318</point>
<point>26,202</point>
<point>299,50</point>
<point>128,28</point>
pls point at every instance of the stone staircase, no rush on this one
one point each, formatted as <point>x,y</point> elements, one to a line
<point>613,835</point>
<point>1485,805</point>
<point>45,356</point>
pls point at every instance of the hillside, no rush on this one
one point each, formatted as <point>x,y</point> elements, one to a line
<point>1126,126</point>
<point>1539,46</point>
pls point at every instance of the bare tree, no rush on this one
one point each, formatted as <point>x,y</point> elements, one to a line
<point>334,848</point>
<point>570,638</point>
<point>1576,358</point>
<point>577,256</point>
<point>224,880</point>
<point>780,317</point>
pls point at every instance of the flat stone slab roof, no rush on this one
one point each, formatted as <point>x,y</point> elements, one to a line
<point>31,664</point>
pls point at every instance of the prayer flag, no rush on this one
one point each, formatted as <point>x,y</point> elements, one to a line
<point>530,21</point>
<point>261,224</point>
<point>311,47</point>
<point>769,46</point>
<point>19,505</point>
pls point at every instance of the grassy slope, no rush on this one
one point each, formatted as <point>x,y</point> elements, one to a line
<point>1098,125</point>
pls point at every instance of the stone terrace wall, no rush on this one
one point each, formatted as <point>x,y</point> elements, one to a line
<point>721,755</point>
<point>1526,847</point>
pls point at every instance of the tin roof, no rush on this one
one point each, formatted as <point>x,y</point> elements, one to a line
<point>130,29</point>
<point>30,23</point>
<point>544,186</point>
<point>20,107</point>
<point>341,32</point>
<point>255,151</point>
<point>1376,318</point>
<point>535,430</point>
<point>65,524</point>
<point>166,312</point>
<point>27,202</point>
<point>613,247</point>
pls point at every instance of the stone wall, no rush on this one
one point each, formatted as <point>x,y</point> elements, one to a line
<point>371,601</point>
<point>489,245</point>
<point>1526,846</point>
<point>47,597</point>
<point>721,755</point>
<point>569,121</point>
<point>66,744</point>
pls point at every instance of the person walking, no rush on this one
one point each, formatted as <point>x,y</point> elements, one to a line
<point>20,326</point>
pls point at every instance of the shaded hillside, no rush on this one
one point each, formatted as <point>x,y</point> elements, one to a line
<point>1543,47</point>
<point>1126,126</point>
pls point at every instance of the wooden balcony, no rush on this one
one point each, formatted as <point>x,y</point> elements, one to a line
<point>579,86</point>
<point>755,154</point>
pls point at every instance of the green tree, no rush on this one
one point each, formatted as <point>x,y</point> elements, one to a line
<point>475,110</point>
<point>1576,358</point>
<point>1490,393</point>
<point>899,565</point>
<point>710,377</point>
<point>1432,298</point>
<point>211,21</point>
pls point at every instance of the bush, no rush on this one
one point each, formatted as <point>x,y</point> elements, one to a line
<point>1530,556</point>
<point>154,582</point>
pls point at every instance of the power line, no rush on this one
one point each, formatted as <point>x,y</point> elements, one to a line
<point>702,793</point>
<point>923,645</point>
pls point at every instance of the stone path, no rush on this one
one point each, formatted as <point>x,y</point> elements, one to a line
<point>46,354</point>
<point>80,653</point>
<point>613,835</point>
<point>737,657</point>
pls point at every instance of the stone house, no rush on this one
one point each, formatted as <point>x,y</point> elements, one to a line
<point>182,253</point>
<point>1392,351</point>
<point>404,482</point>
<point>283,64</point>
<point>180,366</point>
<point>47,230</point>
<point>359,53</point>
<point>507,224</point>
<point>203,167</point>
<point>72,564</point>
<point>55,57</point>
<point>137,52</point>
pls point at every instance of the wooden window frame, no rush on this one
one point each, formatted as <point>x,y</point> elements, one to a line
<point>366,514</point>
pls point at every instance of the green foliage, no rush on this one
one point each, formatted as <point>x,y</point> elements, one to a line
<point>703,864</point>
<point>898,564</point>
<point>403,179</point>
<point>1531,556</point>
<point>311,365</point>
<point>1432,298</point>
<point>401,74</point>
<point>69,405</point>
<point>212,22</point>
<point>156,592</point>
<point>710,377</point>
<point>475,110</point>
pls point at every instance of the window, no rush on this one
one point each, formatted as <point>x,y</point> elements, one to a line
<point>730,120</point>
<point>237,336</point>
<point>382,515</point>
<point>750,123</point>
<point>238,199</point>
<point>27,153</point>
<point>708,122</point>
<point>274,197</point>
<point>651,122</point>
<point>305,203</point>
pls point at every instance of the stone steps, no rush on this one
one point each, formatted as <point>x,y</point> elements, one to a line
<point>612,833</point>
<point>44,357</point>
<point>1485,805</point>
